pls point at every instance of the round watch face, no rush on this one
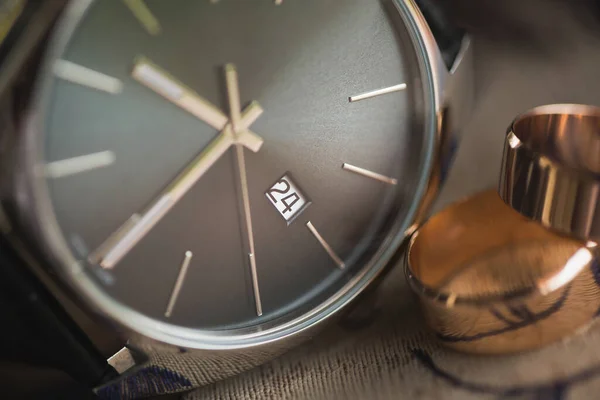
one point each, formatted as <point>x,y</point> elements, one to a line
<point>214,172</point>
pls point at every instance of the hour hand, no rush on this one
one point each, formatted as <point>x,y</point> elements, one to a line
<point>161,82</point>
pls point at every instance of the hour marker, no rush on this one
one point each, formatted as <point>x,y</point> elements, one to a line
<point>369,174</point>
<point>104,276</point>
<point>81,75</point>
<point>178,283</point>
<point>143,14</point>
<point>325,245</point>
<point>79,246</point>
<point>76,165</point>
<point>378,92</point>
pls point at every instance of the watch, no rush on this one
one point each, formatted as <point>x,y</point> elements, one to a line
<point>214,181</point>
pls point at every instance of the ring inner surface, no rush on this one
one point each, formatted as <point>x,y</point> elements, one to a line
<point>566,134</point>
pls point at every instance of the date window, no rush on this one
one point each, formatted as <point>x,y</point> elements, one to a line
<point>287,198</point>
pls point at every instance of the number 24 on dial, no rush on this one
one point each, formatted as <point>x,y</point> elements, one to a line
<point>287,198</point>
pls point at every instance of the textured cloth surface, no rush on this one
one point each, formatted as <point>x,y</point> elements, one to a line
<point>390,354</point>
<point>536,53</point>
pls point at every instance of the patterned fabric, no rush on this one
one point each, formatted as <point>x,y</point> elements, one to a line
<point>395,356</point>
<point>168,371</point>
<point>383,350</point>
<point>146,382</point>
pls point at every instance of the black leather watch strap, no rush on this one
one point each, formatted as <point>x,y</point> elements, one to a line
<point>448,36</point>
<point>36,328</point>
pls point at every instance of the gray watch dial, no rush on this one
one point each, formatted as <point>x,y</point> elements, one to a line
<point>219,165</point>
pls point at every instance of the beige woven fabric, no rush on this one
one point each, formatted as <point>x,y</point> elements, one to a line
<point>390,354</point>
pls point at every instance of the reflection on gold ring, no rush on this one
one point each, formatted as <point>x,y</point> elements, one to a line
<point>491,281</point>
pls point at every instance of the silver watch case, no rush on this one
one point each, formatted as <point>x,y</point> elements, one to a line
<point>453,93</point>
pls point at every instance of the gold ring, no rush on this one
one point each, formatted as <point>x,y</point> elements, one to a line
<point>551,169</point>
<point>492,281</point>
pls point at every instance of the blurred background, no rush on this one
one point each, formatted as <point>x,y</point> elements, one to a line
<point>527,53</point>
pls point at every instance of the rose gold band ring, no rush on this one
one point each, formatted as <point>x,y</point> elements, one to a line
<point>551,168</point>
